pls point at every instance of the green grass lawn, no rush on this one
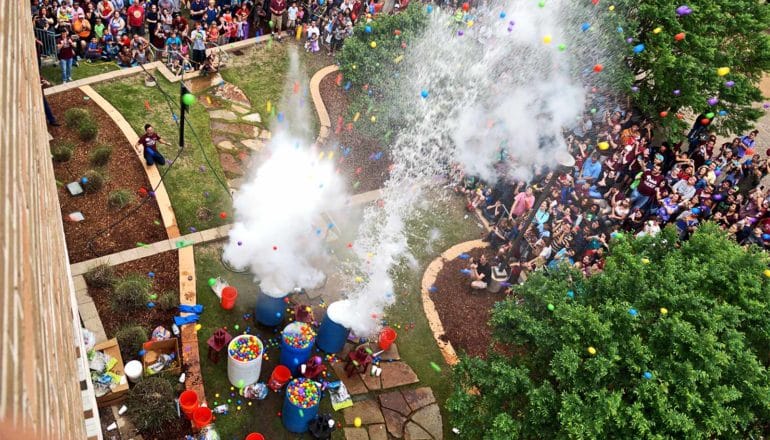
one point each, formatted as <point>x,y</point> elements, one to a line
<point>196,179</point>
<point>191,183</point>
<point>84,70</point>
<point>445,223</point>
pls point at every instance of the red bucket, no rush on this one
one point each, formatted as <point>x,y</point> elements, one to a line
<point>279,377</point>
<point>188,402</point>
<point>202,417</point>
<point>229,295</point>
<point>387,337</point>
<point>255,436</point>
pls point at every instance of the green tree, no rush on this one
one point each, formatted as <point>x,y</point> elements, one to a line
<point>680,334</point>
<point>717,33</point>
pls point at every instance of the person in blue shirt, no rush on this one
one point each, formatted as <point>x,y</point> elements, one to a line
<point>747,143</point>
<point>591,170</point>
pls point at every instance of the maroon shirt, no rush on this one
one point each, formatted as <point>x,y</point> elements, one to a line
<point>150,141</point>
<point>648,183</point>
<point>277,7</point>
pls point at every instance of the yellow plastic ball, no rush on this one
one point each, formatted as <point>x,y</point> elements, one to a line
<point>645,261</point>
<point>374,119</point>
<point>722,71</point>
<point>766,272</point>
<point>547,39</point>
<point>198,327</point>
<point>373,44</point>
<point>657,30</point>
<point>663,311</point>
<point>591,351</point>
<point>357,422</point>
<point>603,145</point>
<point>611,8</point>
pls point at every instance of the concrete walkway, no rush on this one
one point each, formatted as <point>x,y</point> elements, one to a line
<point>320,108</point>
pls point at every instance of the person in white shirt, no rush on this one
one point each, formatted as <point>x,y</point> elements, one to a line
<point>313,34</point>
<point>292,16</point>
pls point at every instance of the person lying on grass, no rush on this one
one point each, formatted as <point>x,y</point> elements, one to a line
<point>149,141</point>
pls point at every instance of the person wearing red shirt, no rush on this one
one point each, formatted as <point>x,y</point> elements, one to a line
<point>149,142</point>
<point>135,17</point>
<point>277,9</point>
<point>649,184</point>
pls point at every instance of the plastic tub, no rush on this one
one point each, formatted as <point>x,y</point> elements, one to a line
<point>269,309</point>
<point>387,337</point>
<point>332,335</point>
<point>255,436</point>
<point>244,365</point>
<point>133,370</point>
<point>297,341</point>
<point>229,295</point>
<point>188,402</point>
<point>280,376</point>
<point>298,412</point>
<point>202,416</point>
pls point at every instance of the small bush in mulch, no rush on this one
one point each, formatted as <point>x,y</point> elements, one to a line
<point>168,300</point>
<point>94,181</point>
<point>130,339</point>
<point>87,129</point>
<point>120,198</point>
<point>100,156</point>
<point>131,293</point>
<point>62,151</point>
<point>73,116</point>
<point>101,276</point>
<point>151,405</point>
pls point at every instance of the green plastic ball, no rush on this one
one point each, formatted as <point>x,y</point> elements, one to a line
<point>212,281</point>
<point>188,99</point>
<point>551,307</point>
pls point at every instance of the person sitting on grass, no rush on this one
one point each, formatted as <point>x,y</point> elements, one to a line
<point>149,141</point>
<point>93,50</point>
<point>481,273</point>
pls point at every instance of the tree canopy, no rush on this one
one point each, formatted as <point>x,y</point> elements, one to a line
<point>669,341</point>
<point>666,55</point>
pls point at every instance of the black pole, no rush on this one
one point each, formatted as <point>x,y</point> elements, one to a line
<point>183,107</point>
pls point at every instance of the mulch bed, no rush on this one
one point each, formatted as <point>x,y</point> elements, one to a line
<point>359,169</point>
<point>166,269</point>
<point>124,171</point>
<point>464,312</point>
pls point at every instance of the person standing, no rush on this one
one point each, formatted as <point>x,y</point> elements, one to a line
<point>136,15</point>
<point>66,55</point>
<point>198,38</point>
<point>149,142</point>
<point>49,117</point>
<point>277,9</point>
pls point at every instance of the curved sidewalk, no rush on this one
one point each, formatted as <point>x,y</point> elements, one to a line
<point>428,280</point>
<point>320,107</point>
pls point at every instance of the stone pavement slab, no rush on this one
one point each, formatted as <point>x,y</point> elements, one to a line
<point>372,382</point>
<point>356,434</point>
<point>412,431</point>
<point>367,410</point>
<point>429,419</point>
<point>396,374</point>
<point>394,423</point>
<point>354,384</point>
<point>395,401</point>
<point>377,432</point>
<point>419,397</point>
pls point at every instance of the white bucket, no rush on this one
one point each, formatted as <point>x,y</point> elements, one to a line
<point>133,370</point>
<point>242,373</point>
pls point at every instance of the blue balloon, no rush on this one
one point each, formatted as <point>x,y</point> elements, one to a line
<point>430,9</point>
<point>424,93</point>
<point>585,26</point>
<point>647,375</point>
<point>368,29</point>
<point>639,48</point>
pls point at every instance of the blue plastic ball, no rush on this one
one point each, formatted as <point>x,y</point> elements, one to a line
<point>368,29</point>
<point>647,375</point>
<point>424,93</point>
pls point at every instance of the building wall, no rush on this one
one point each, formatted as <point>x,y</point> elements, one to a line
<point>39,389</point>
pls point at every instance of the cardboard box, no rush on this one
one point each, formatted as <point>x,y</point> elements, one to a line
<point>153,350</point>
<point>120,392</point>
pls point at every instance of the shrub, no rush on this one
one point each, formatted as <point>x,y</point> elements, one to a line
<point>100,156</point>
<point>62,152</point>
<point>130,339</point>
<point>131,293</point>
<point>87,129</point>
<point>151,405</point>
<point>73,116</point>
<point>94,181</point>
<point>119,198</point>
<point>100,276</point>
<point>168,300</point>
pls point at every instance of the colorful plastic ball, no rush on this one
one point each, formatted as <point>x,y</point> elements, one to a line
<point>357,420</point>
<point>466,6</point>
<point>710,115</point>
<point>705,121</point>
<point>585,26</point>
<point>424,93</point>
<point>683,10</point>
<point>84,180</point>
<point>591,351</point>
<point>368,29</point>
<point>629,40</point>
<point>502,14</point>
<point>680,36</point>
<point>722,71</point>
<point>713,101</point>
<point>657,30</point>
<point>223,215</point>
<point>663,311</point>
<point>632,312</point>
<point>639,48</point>
<point>562,47</point>
<point>541,3</point>
<point>647,375</point>
<point>547,39</point>
<point>645,261</point>
<point>766,273</point>
<point>603,145</point>
<point>598,68</point>
<point>570,294</point>
<point>729,84</point>
<point>677,92</point>
<point>188,99</point>
<point>551,307</point>
<point>429,9</point>
<point>373,44</point>
<point>663,114</point>
<point>212,281</point>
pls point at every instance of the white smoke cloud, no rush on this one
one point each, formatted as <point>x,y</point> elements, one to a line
<point>279,232</point>
<point>489,90</point>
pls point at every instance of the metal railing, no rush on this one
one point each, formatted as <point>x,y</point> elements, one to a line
<point>48,39</point>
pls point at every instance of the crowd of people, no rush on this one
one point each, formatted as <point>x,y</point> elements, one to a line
<point>623,182</point>
<point>132,32</point>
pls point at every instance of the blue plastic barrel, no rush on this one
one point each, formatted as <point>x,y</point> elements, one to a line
<point>295,418</point>
<point>270,310</point>
<point>331,335</point>
<point>293,356</point>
